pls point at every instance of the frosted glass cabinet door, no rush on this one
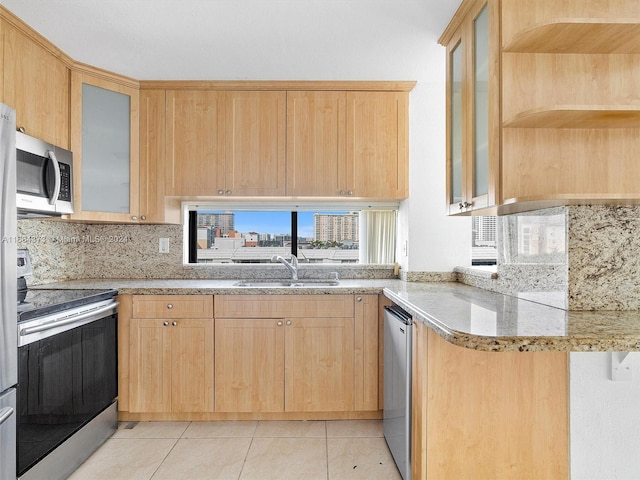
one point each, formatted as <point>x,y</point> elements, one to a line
<point>456,139</point>
<point>481,104</point>
<point>106,147</point>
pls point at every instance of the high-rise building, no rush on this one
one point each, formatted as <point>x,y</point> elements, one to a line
<point>336,227</point>
<point>224,221</point>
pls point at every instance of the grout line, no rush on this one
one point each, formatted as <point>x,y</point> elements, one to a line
<point>165,458</point>
<point>246,456</point>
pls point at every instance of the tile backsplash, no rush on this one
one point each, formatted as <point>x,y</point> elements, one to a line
<point>68,251</point>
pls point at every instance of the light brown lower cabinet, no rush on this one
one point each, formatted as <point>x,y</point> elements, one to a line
<point>286,364</point>
<point>171,357</point>
<point>262,357</point>
<point>487,415</point>
<point>311,354</point>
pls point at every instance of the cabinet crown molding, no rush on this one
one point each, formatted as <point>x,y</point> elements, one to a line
<point>282,85</point>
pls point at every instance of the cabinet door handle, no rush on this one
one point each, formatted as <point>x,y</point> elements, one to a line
<point>279,324</point>
<point>358,299</point>
<point>165,323</point>
<point>220,192</point>
<point>143,217</point>
<point>350,192</point>
<point>228,192</point>
<point>169,306</point>
<point>134,218</point>
<point>288,322</point>
<point>341,192</point>
<point>174,323</point>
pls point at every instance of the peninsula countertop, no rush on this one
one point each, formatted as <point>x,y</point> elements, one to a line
<point>463,315</point>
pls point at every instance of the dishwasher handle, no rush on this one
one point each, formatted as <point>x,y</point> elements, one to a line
<point>400,314</point>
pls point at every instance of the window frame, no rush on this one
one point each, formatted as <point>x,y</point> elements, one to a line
<point>189,221</point>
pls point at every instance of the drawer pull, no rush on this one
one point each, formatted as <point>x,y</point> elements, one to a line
<point>174,323</point>
<point>169,306</point>
<point>165,323</point>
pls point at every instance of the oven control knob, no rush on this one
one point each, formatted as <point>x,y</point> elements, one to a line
<point>169,306</point>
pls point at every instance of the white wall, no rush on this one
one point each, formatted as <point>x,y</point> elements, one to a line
<point>605,418</point>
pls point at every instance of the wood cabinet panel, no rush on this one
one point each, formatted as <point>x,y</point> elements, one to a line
<point>492,415</point>
<point>150,366</point>
<point>377,139</point>
<point>192,365</point>
<point>171,365</point>
<point>366,353</point>
<point>319,364</point>
<point>173,306</point>
<point>316,156</point>
<point>249,359</point>
<point>154,206</point>
<point>194,142</point>
<point>280,306</point>
<point>37,84</point>
<point>255,153</point>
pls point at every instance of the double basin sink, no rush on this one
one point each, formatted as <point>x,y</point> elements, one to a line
<point>268,282</point>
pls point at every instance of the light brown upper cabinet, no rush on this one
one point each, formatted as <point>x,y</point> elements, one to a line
<point>104,141</point>
<point>195,142</point>
<point>155,206</point>
<point>567,114</point>
<point>225,143</point>
<point>347,144</point>
<point>377,143</point>
<point>472,113</point>
<point>255,153</point>
<point>316,141</point>
<point>35,81</point>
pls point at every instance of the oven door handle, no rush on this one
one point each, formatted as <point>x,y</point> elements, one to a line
<point>76,318</point>
<point>5,414</point>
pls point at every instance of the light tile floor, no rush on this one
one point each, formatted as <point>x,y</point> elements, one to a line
<point>282,450</point>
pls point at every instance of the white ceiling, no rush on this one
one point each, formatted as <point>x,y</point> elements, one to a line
<point>238,39</point>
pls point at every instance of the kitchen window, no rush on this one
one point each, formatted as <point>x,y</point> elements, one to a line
<point>224,234</point>
<point>483,241</point>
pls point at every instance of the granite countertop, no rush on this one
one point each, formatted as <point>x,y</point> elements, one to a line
<point>466,316</point>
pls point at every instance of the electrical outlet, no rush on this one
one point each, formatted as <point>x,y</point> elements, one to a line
<point>164,245</point>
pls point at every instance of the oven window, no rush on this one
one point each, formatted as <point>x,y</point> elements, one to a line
<point>63,382</point>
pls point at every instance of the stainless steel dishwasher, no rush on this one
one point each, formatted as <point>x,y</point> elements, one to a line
<point>396,423</point>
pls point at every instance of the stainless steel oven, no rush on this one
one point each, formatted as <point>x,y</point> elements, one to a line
<point>67,379</point>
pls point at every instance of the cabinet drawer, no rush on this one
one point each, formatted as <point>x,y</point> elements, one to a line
<point>280,306</point>
<point>173,306</point>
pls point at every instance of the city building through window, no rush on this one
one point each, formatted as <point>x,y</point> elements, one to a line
<point>483,241</point>
<point>238,236</point>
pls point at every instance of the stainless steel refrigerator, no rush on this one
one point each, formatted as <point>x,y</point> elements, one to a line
<point>8,293</point>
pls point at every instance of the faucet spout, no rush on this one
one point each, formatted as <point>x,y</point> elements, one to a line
<point>292,267</point>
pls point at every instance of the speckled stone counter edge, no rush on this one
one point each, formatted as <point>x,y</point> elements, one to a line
<point>575,342</point>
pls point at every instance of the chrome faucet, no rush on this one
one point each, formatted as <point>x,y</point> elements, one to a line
<point>292,267</point>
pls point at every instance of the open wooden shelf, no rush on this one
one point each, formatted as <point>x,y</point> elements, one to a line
<point>579,35</point>
<point>578,116</point>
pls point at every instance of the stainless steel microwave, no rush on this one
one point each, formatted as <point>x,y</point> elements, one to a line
<point>44,175</point>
